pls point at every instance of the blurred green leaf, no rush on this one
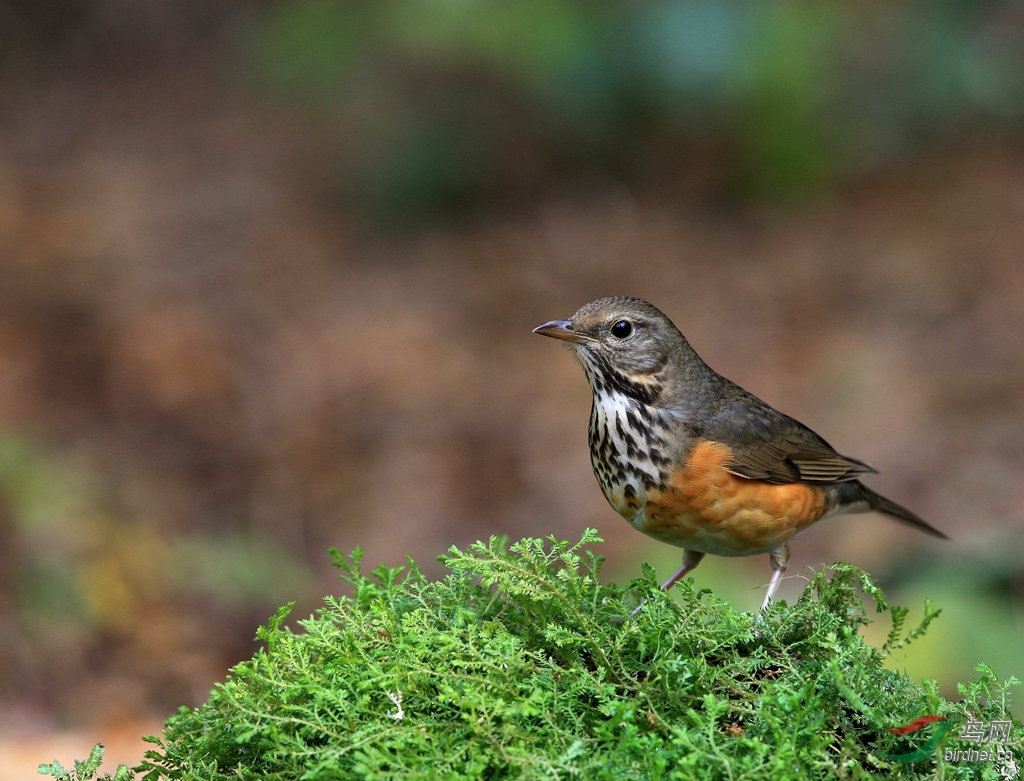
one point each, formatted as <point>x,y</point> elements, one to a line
<point>428,92</point>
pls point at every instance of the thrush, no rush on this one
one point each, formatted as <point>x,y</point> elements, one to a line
<point>692,459</point>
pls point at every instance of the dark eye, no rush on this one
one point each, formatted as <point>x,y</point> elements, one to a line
<point>622,329</point>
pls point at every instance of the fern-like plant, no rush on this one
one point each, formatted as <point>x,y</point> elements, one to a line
<point>521,664</point>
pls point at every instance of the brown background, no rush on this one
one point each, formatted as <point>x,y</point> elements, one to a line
<point>213,367</point>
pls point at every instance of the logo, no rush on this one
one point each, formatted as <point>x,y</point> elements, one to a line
<point>929,746</point>
<point>995,733</point>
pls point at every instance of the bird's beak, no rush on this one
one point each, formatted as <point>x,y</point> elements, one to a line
<point>560,329</point>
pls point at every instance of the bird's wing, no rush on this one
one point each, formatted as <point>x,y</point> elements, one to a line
<point>767,445</point>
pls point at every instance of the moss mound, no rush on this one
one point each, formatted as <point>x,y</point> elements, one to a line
<point>520,664</point>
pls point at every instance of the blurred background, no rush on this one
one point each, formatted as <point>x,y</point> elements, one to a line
<point>268,272</point>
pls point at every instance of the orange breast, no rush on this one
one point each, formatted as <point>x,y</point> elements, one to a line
<point>707,508</point>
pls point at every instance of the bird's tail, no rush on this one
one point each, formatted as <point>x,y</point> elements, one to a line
<point>880,504</point>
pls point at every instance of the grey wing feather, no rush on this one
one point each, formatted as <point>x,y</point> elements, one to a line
<point>768,445</point>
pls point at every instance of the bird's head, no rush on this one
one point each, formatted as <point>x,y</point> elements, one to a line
<point>624,344</point>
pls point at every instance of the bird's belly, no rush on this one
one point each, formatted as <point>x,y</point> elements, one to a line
<point>706,508</point>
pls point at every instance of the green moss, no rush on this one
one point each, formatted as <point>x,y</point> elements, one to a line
<point>521,664</point>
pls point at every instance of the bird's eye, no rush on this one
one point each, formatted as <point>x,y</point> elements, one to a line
<point>622,329</point>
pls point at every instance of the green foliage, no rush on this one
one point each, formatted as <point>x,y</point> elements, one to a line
<point>85,770</point>
<point>440,102</point>
<point>521,664</point>
<point>899,615</point>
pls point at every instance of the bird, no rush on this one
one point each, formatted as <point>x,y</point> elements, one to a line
<point>690,458</point>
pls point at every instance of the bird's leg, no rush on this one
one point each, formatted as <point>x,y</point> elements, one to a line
<point>691,559</point>
<point>779,559</point>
